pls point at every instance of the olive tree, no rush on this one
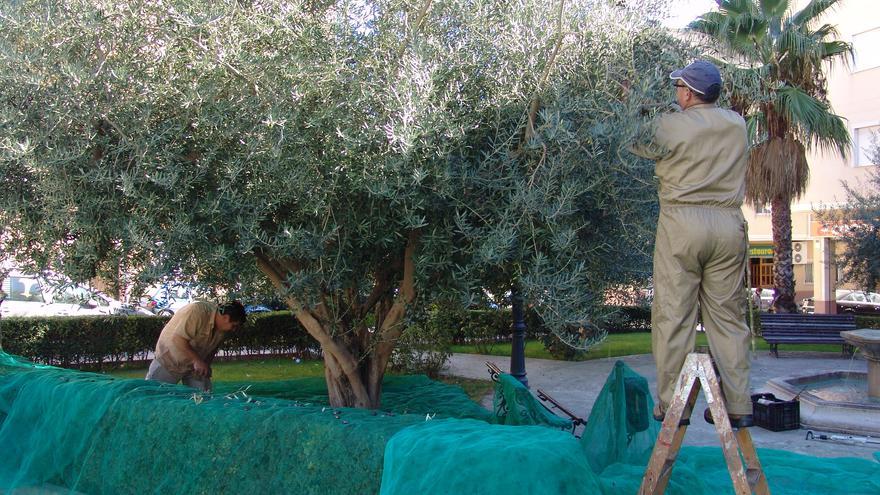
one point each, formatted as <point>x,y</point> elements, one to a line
<point>366,157</point>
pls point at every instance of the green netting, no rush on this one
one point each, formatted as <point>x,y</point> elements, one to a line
<point>65,431</point>
<point>620,423</point>
<point>95,434</point>
<point>463,456</point>
<point>515,405</point>
<point>620,430</point>
<point>400,395</point>
<point>610,458</point>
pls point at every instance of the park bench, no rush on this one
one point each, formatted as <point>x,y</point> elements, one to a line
<point>798,328</point>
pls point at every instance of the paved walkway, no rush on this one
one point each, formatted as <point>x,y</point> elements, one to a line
<point>577,384</point>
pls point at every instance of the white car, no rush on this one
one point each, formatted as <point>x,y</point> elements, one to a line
<point>30,295</point>
<point>168,298</point>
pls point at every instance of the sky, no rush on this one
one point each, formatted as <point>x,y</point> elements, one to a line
<point>684,11</point>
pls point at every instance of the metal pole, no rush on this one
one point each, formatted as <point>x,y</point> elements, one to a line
<point>2,298</point>
<point>518,346</point>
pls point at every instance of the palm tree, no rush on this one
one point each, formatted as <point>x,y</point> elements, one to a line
<point>781,51</point>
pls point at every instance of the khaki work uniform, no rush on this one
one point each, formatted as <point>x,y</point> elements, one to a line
<point>701,246</point>
<point>195,323</point>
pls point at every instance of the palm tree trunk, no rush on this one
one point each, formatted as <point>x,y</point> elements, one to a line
<point>783,270</point>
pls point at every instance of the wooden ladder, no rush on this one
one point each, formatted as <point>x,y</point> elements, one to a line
<point>698,372</point>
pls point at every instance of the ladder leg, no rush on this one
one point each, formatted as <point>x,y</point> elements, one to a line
<point>670,438</point>
<point>672,455</point>
<point>729,445</point>
<point>754,471</point>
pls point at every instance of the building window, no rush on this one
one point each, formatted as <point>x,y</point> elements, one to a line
<point>864,139</point>
<point>865,50</point>
<point>808,273</point>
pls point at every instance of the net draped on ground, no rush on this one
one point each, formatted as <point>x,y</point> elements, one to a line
<point>67,431</point>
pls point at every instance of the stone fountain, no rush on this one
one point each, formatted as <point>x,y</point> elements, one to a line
<point>868,342</point>
<point>840,401</point>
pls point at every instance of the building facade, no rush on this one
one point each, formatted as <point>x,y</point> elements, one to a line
<point>854,94</point>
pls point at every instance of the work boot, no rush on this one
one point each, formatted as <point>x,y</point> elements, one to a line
<point>660,414</point>
<point>736,420</point>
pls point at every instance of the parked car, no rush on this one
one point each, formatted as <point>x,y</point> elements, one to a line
<point>31,295</point>
<point>858,302</point>
<point>256,308</point>
<point>168,298</point>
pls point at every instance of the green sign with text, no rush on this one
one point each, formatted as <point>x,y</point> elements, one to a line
<point>761,251</point>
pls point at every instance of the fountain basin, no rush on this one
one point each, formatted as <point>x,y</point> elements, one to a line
<point>868,342</point>
<point>836,401</point>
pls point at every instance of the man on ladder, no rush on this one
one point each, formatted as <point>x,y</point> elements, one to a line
<point>701,242</point>
<point>700,257</point>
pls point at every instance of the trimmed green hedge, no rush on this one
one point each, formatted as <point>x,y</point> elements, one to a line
<point>96,341</point>
<point>476,325</point>
<point>868,321</point>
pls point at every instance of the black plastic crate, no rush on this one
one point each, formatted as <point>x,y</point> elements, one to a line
<point>775,414</point>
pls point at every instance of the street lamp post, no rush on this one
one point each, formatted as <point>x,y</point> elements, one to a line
<point>2,298</point>
<point>518,346</point>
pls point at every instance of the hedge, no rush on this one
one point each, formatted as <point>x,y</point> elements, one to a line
<point>96,341</point>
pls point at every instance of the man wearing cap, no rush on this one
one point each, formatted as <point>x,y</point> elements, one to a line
<point>701,241</point>
<point>189,341</point>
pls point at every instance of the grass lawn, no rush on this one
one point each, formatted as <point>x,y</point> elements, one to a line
<point>624,344</point>
<point>250,370</point>
<point>287,369</point>
<point>615,345</point>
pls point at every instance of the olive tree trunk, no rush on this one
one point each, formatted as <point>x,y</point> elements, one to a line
<point>355,356</point>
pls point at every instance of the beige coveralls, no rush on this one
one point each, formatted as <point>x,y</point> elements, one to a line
<point>701,246</point>
<point>195,323</point>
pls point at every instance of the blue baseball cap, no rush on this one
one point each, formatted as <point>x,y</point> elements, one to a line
<point>700,76</point>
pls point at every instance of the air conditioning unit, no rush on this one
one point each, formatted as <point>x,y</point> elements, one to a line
<point>799,254</point>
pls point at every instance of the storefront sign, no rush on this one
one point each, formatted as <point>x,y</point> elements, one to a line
<point>761,251</point>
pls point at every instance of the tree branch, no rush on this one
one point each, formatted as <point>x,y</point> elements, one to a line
<point>535,104</point>
<point>313,325</point>
<point>420,19</point>
<point>391,327</point>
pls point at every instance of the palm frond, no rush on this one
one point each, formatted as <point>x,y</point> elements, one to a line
<point>813,121</point>
<point>773,8</point>
<point>825,31</point>
<point>777,168</point>
<point>745,87</point>
<point>837,49</point>
<point>754,128</point>
<point>738,32</point>
<point>813,10</point>
<point>708,23</point>
<point>737,6</point>
<point>798,45</point>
